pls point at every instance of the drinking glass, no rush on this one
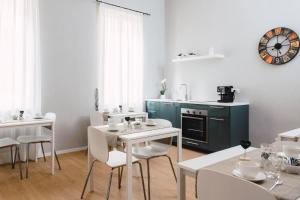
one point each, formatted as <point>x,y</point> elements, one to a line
<point>245,144</point>
<point>273,170</point>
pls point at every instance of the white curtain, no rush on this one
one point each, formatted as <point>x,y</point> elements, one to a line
<point>19,57</point>
<point>121,57</point>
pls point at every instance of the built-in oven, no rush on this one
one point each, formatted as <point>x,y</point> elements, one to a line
<point>194,125</point>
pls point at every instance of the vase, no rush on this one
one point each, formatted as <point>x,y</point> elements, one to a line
<point>162,96</point>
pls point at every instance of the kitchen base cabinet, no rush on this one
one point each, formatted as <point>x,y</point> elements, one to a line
<point>226,125</point>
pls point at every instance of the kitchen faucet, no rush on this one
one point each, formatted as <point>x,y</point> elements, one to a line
<point>186,91</point>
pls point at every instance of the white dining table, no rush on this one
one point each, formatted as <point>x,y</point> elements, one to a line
<point>47,123</point>
<point>191,167</point>
<point>139,137</point>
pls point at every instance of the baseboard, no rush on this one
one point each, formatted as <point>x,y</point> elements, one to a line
<point>65,151</point>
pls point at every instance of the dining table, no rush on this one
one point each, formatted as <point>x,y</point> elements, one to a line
<point>225,161</point>
<point>133,136</point>
<point>29,123</point>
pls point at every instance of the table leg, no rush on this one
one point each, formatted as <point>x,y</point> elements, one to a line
<point>52,149</point>
<point>129,170</point>
<point>179,146</point>
<point>181,193</point>
<point>90,186</point>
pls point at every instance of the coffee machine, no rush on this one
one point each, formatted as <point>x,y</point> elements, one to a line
<point>227,94</point>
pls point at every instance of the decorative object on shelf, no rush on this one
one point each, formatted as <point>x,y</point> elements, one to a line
<point>245,144</point>
<point>121,108</point>
<point>96,99</point>
<point>195,56</point>
<point>163,89</point>
<point>279,46</point>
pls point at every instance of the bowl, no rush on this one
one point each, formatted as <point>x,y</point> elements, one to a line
<point>292,169</point>
<point>249,169</point>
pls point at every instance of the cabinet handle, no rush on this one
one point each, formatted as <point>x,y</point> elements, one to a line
<point>217,119</point>
<point>217,107</point>
<point>185,117</point>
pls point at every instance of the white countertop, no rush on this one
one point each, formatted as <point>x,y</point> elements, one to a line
<point>211,103</point>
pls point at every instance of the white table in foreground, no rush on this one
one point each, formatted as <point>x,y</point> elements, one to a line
<point>145,136</point>
<point>50,124</point>
<point>190,167</point>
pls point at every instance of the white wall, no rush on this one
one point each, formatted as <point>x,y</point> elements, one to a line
<point>234,27</point>
<point>69,61</point>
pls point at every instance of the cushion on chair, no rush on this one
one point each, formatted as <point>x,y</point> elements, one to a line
<point>6,142</point>
<point>117,159</point>
<point>34,139</point>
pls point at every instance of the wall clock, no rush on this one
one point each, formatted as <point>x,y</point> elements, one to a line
<point>279,46</point>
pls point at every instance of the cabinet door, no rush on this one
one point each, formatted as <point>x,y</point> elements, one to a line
<point>153,108</point>
<point>168,112</point>
<point>218,133</point>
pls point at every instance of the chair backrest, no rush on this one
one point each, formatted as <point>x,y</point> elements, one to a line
<point>98,145</point>
<point>213,185</point>
<point>50,115</point>
<point>96,118</point>
<point>167,124</point>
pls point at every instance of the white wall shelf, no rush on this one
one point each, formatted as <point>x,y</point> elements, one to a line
<point>193,58</point>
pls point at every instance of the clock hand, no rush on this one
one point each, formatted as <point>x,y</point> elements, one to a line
<point>284,40</point>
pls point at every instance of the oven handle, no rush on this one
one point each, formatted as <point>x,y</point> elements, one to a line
<point>194,143</point>
<point>190,129</point>
<point>192,118</point>
<point>217,119</point>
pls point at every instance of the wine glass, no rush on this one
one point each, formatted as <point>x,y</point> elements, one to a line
<point>127,119</point>
<point>245,144</point>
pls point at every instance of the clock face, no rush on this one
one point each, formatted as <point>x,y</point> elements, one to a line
<point>279,46</point>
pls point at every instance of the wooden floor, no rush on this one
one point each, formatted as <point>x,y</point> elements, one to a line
<point>68,183</point>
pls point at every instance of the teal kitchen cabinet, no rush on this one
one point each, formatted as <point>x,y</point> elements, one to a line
<point>164,110</point>
<point>227,126</point>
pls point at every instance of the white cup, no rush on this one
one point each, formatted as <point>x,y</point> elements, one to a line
<point>249,169</point>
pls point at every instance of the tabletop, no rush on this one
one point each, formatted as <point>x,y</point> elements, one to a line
<point>26,122</point>
<point>289,190</point>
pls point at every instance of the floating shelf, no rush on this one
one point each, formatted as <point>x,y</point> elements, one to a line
<point>192,58</point>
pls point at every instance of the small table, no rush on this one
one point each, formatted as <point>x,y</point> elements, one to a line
<point>122,115</point>
<point>190,167</point>
<point>138,137</point>
<point>47,123</point>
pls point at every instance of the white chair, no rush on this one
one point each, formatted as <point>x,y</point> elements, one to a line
<point>98,118</point>
<point>155,149</point>
<point>34,139</point>
<point>99,150</point>
<point>213,185</point>
<point>10,143</point>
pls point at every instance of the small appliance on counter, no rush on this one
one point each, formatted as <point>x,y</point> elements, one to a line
<point>227,94</point>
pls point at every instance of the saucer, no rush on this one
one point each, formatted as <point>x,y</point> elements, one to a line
<point>150,124</point>
<point>259,177</point>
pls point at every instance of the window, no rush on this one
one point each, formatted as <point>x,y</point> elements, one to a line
<point>121,57</point>
<point>19,56</point>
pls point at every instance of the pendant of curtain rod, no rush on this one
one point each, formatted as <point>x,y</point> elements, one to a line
<point>99,1</point>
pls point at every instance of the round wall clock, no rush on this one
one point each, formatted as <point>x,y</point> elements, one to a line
<point>279,46</point>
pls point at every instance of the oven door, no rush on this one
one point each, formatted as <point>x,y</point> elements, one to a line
<point>194,128</point>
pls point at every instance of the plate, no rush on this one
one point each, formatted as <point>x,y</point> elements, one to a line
<point>150,124</point>
<point>113,130</point>
<point>259,177</point>
<point>38,117</point>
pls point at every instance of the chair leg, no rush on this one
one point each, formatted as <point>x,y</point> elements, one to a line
<point>43,151</point>
<point>15,156</point>
<point>109,184</point>
<point>172,167</point>
<point>142,176</point>
<point>148,174</point>
<point>196,185</point>
<point>27,160</point>
<point>20,164</point>
<point>120,169</point>
<point>87,179</point>
<point>59,167</point>
<point>12,157</point>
